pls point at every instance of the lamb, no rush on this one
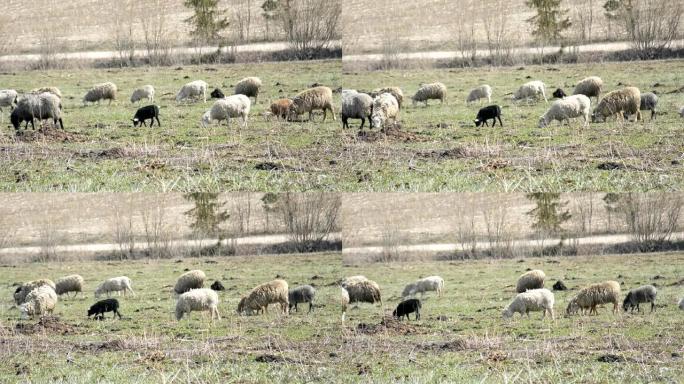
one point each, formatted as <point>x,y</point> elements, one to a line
<point>489,112</point>
<point>394,91</point>
<point>533,89</point>
<point>39,301</point>
<point>23,290</point>
<point>589,87</point>
<point>192,90</point>
<point>533,279</point>
<point>99,92</point>
<point>430,91</point>
<point>481,92</point>
<point>217,286</point>
<point>313,99</point>
<point>643,294</point>
<point>431,283</point>
<point>148,112</point>
<point>190,280</point>
<point>203,299</point>
<point>115,284</point>
<point>616,103</point>
<point>146,92</point>
<point>533,300</point>
<point>101,307</point>
<point>258,299</point>
<point>54,90</point>
<point>385,108</point>
<point>565,109</point>
<point>649,101</point>
<point>217,94</point>
<point>71,283</point>
<point>224,109</point>
<point>593,295</point>
<point>407,307</point>
<point>41,107</point>
<point>8,98</point>
<point>356,106</point>
<point>249,86</point>
<point>280,108</point>
<point>559,93</point>
<point>301,294</point>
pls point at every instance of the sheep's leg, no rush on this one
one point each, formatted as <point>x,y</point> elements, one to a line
<point>310,306</point>
<point>310,115</point>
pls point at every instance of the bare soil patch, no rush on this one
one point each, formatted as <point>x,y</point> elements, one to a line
<point>46,324</point>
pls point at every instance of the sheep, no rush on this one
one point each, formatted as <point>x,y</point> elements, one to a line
<point>99,92</point>
<point>365,291</point>
<point>194,89</point>
<point>489,112</point>
<point>431,283</point>
<point>261,296</point>
<point>643,294</point>
<point>481,92</point>
<point>39,301</point>
<point>616,103</point>
<point>148,112</point>
<point>394,91</point>
<point>249,86</point>
<point>301,294</point>
<point>115,284</point>
<point>593,295</point>
<point>313,99</point>
<point>533,300</point>
<point>23,290</point>
<point>589,87</point>
<point>41,107</point>
<point>71,283</point>
<point>203,299</point>
<point>356,106</point>
<point>533,279</point>
<point>8,98</point>
<point>224,109</point>
<point>559,93</point>
<point>107,305</point>
<point>385,108</point>
<point>430,91</point>
<point>353,280</point>
<point>565,109</point>
<point>54,90</point>
<point>189,280</point>
<point>407,307</point>
<point>280,108</point>
<point>344,300</point>
<point>533,89</point>
<point>649,101</point>
<point>217,94</point>
<point>146,92</point>
<point>217,286</point>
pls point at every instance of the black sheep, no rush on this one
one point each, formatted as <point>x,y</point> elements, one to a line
<point>406,307</point>
<point>150,112</point>
<point>217,94</point>
<point>107,305</point>
<point>19,116</point>
<point>559,93</point>
<point>489,112</point>
<point>217,286</point>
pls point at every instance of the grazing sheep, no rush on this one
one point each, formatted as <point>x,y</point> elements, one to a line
<point>203,299</point>
<point>533,300</point>
<point>39,301</point>
<point>559,93</point>
<point>431,283</point>
<point>148,112</point>
<point>115,284</point>
<point>71,283</point>
<point>99,92</point>
<point>280,108</point>
<point>533,89</point>
<point>643,294</point>
<point>258,299</point>
<point>224,109</point>
<point>407,307</point>
<point>101,307</point>
<point>559,286</point>
<point>249,86</point>
<point>481,92</point>
<point>533,279</point>
<point>189,280</point>
<point>649,102</point>
<point>430,91</point>
<point>193,90</point>
<point>146,92</point>
<point>565,109</point>
<point>344,300</point>
<point>54,90</point>
<point>217,286</point>
<point>301,294</point>
<point>313,99</point>
<point>8,98</point>
<point>353,279</point>
<point>23,290</point>
<point>356,106</point>
<point>589,87</point>
<point>217,94</point>
<point>394,91</point>
<point>41,107</point>
<point>593,295</point>
<point>365,291</point>
<point>385,108</point>
<point>616,103</point>
<point>489,112</point>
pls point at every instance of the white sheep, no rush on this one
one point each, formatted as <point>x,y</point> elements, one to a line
<point>71,283</point>
<point>533,279</point>
<point>313,99</point>
<point>589,87</point>
<point>533,300</point>
<point>594,295</point>
<point>145,92</point>
<point>431,283</point>
<point>99,92</point>
<point>356,106</point>
<point>394,91</point>
<point>565,109</point>
<point>385,108</point>
<point>39,301</point>
<point>115,284</point>
<point>224,109</point>
<point>618,103</point>
<point>533,89</point>
<point>23,290</point>
<point>259,298</point>
<point>249,86</point>
<point>8,98</point>
<point>203,299</point>
<point>431,91</point>
<point>481,92</point>
<point>190,280</point>
<point>193,90</point>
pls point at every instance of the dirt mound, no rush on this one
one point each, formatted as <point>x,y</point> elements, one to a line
<point>268,358</point>
<point>388,325</point>
<point>48,133</point>
<point>46,324</point>
<point>392,132</point>
<point>109,153</point>
<point>453,345</point>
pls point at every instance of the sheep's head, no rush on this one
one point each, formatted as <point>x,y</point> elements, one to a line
<point>507,313</point>
<point>25,310</point>
<point>241,305</point>
<point>542,122</point>
<point>136,121</point>
<point>573,307</point>
<point>478,122</point>
<point>206,119</point>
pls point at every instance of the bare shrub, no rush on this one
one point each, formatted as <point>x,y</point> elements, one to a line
<point>48,239</point>
<point>651,25</point>
<point>242,20</point>
<point>466,42</point>
<point>309,217</point>
<point>390,243</point>
<point>651,217</point>
<point>498,231</point>
<point>466,234</point>
<point>123,234</point>
<point>157,232</point>
<point>122,13</point>
<point>154,20</point>
<point>391,50</point>
<point>585,212</point>
<point>310,25</point>
<point>498,33</point>
<point>6,45</point>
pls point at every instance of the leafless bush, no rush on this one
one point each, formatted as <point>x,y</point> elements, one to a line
<point>6,44</point>
<point>466,42</point>
<point>48,239</point>
<point>122,13</point>
<point>154,20</point>
<point>242,20</point>
<point>583,19</point>
<point>652,25</point>
<point>311,25</point>
<point>123,234</point>
<point>390,243</point>
<point>651,217</point>
<point>585,212</point>
<point>498,230</point>
<point>499,42</point>
<point>466,234</point>
<point>309,217</point>
<point>392,47</point>
<point>157,232</point>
